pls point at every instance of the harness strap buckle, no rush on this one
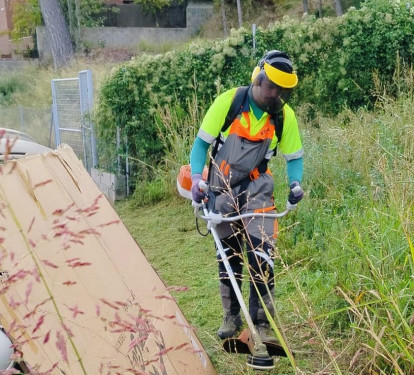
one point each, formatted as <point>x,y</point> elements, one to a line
<point>254,174</point>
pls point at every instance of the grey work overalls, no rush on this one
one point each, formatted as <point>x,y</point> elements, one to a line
<point>241,184</point>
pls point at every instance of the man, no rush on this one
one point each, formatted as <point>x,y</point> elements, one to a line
<point>240,181</point>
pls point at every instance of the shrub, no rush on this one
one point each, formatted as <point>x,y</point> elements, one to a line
<point>8,86</point>
<point>336,59</point>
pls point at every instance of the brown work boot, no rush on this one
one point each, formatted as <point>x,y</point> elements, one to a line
<point>231,324</point>
<point>266,333</point>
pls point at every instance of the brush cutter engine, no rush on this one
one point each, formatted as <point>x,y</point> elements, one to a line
<point>184,181</point>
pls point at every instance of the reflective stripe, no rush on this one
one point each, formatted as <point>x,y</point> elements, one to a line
<point>266,257</point>
<point>205,136</point>
<point>295,155</point>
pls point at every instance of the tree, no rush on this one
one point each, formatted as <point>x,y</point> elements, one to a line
<point>154,5</point>
<point>223,18</point>
<point>239,13</point>
<point>338,8</point>
<point>25,17</point>
<point>305,6</point>
<point>60,41</point>
<point>27,14</point>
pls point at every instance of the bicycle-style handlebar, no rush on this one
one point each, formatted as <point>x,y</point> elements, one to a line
<point>217,217</point>
<point>214,217</point>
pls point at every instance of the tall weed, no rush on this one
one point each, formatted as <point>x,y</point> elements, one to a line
<point>357,225</point>
<point>8,87</point>
<point>176,129</point>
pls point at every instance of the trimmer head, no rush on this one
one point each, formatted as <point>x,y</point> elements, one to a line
<point>257,359</point>
<point>260,363</point>
<point>244,345</point>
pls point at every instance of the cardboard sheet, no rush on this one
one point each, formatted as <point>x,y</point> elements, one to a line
<point>76,290</point>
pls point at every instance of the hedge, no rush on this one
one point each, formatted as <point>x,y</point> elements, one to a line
<point>335,59</point>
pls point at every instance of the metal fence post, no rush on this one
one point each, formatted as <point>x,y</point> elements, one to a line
<point>21,117</point>
<point>86,105</point>
<point>254,37</point>
<point>55,116</point>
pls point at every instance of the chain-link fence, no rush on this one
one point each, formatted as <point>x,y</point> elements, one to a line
<point>37,122</point>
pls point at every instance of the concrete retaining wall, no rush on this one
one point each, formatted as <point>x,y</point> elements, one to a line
<point>7,65</point>
<point>134,15</point>
<point>113,187</point>
<point>130,37</point>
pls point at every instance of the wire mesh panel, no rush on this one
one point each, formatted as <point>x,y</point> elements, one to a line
<point>72,102</point>
<point>66,113</point>
<point>86,104</point>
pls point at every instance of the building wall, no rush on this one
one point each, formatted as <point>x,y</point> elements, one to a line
<point>8,48</point>
<point>5,48</point>
<point>9,65</point>
<point>135,15</point>
<point>130,37</point>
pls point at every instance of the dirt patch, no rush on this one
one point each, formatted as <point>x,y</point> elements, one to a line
<point>109,54</point>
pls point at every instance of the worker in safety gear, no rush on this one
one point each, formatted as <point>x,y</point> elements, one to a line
<point>240,182</point>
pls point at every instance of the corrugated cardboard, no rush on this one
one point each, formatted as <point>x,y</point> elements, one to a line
<point>75,281</point>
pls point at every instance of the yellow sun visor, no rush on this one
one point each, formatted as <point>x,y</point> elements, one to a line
<point>282,79</point>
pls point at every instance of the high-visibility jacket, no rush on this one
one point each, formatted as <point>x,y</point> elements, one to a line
<point>290,145</point>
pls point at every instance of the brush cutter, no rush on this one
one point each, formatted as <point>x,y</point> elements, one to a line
<point>249,342</point>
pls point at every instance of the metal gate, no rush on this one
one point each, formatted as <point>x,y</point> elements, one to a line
<point>72,108</point>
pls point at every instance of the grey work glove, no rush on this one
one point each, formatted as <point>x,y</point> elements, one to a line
<point>197,194</point>
<point>296,193</point>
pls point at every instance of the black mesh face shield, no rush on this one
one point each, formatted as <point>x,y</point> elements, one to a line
<point>271,97</point>
<point>285,95</point>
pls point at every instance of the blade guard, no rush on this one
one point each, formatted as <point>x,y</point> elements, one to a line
<point>184,180</point>
<point>244,345</point>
